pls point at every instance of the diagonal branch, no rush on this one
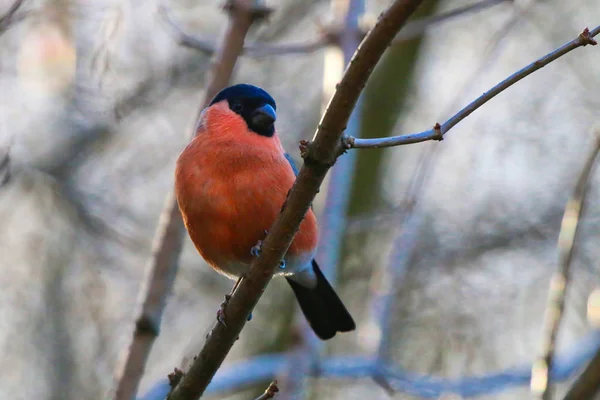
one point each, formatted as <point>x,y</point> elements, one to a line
<point>318,158</point>
<point>162,267</point>
<point>540,380</point>
<point>438,131</point>
<point>269,392</point>
<point>4,166</point>
<point>12,16</point>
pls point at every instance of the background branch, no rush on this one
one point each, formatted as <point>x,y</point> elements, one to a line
<point>251,49</point>
<point>12,16</point>
<point>540,380</point>
<point>328,35</point>
<point>162,267</point>
<point>269,392</point>
<point>318,158</point>
<point>417,27</point>
<point>262,368</point>
<point>438,132</point>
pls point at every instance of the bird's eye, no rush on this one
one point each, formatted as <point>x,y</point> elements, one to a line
<point>237,106</point>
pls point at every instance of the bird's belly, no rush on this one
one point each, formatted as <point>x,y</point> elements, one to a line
<point>228,218</point>
<point>227,214</point>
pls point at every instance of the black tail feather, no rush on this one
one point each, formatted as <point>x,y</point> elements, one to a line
<point>322,307</point>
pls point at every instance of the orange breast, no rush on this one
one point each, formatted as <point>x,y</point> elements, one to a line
<point>230,191</point>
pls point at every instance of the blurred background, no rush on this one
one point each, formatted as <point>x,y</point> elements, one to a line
<point>445,249</point>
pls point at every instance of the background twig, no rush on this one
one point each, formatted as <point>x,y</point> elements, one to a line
<point>540,379</point>
<point>269,392</point>
<point>263,368</point>
<point>12,16</point>
<point>328,36</point>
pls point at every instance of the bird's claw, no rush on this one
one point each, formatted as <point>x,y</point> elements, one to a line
<point>255,250</point>
<point>221,311</point>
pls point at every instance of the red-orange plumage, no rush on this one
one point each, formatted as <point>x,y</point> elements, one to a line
<point>230,185</point>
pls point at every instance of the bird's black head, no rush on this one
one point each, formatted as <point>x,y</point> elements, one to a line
<point>256,106</point>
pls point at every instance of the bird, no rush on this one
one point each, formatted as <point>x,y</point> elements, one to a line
<point>231,182</point>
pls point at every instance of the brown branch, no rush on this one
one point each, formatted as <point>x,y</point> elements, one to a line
<point>318,158</point>
<point>588,384</point>
<point>540,374</point>
<point>269,392</point>
<point>438,131</point>
<point>162,267</point>
<point>328,35</point>
<point>12,16</point>
<point>252,49</point>
<point>4,166</point>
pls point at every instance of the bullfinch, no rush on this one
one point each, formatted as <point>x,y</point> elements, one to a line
<point>231,181</point>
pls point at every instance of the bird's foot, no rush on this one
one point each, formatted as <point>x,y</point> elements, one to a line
<point>221,311</point>
<point>255,250</point>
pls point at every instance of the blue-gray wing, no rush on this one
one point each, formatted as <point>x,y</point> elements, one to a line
<point>292,163</point>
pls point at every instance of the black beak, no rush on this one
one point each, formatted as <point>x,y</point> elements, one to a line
<point>264,117</point>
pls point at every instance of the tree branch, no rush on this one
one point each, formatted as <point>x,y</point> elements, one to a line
<point>4,166</point>
<point>390,283</point>
<point>269,392</point>
<point>318,158</point>
<point>438,131</point>
<point>250,372</point>
<point>162,267</point>
<point>252,49</point>
<point>540,381</point>
<point>12,16</point>
<point>327,36</point>
<point>417,27</point>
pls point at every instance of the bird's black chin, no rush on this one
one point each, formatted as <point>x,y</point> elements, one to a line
<point>262,120</point>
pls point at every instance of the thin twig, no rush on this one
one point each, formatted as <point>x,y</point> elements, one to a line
<point>438,131</point>
<point>4,166</point>
<point>540,379</point>
<point>12,16</point>
<point>388,219</point>
<point>390,283</point>
<point>162,267</point>
<point>417,27</point>
<point>269,392</point>
<point>327,36</point>
<point>349,368</point>
<point>318,158</point>
<point>250,49</point>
